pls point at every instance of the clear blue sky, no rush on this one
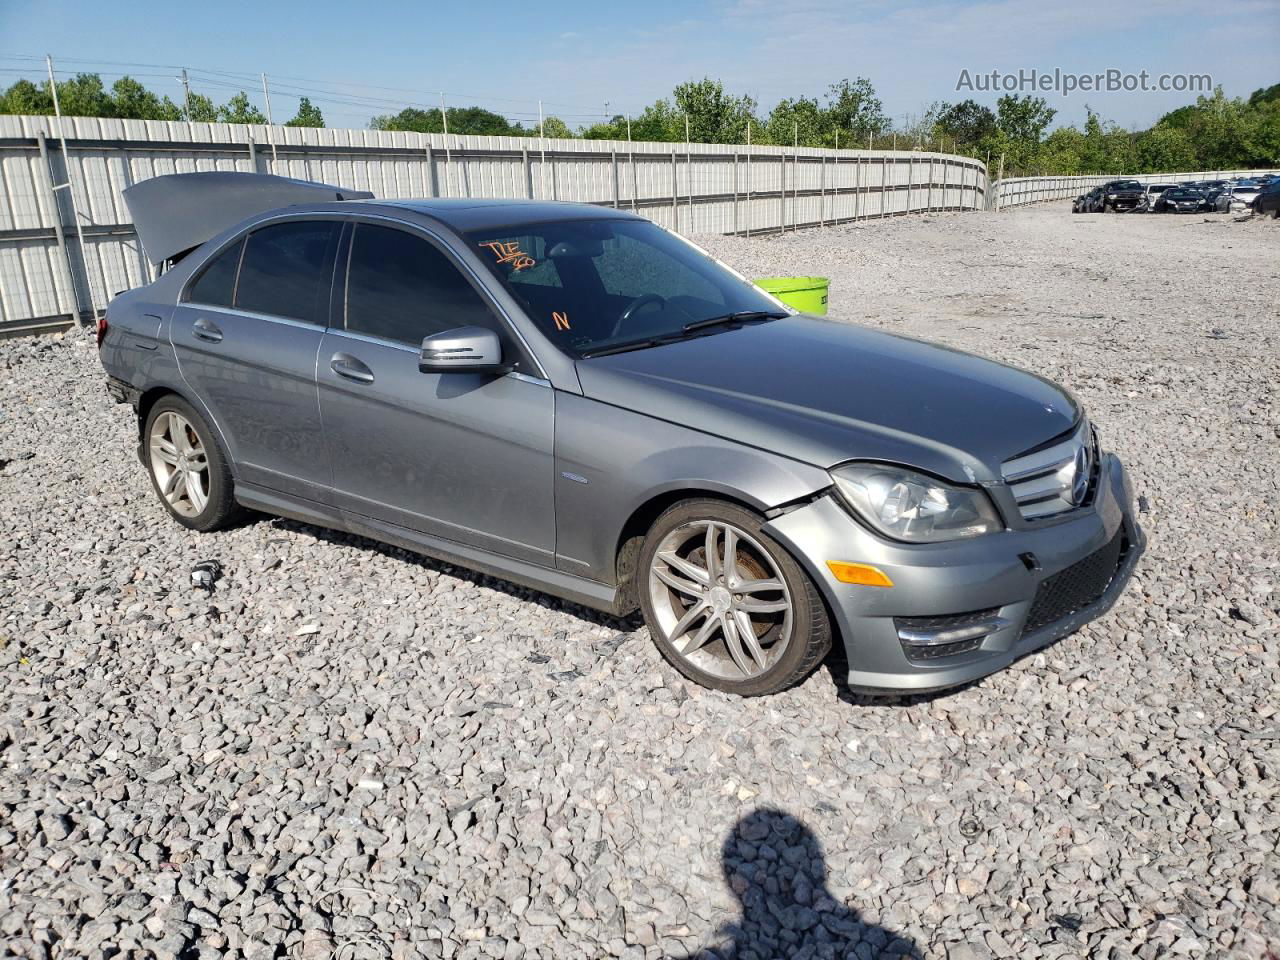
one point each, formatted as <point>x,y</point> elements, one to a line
<point>577,55</point>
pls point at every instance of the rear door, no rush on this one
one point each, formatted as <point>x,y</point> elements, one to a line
<point>462,456</point>
<point>246,335</point>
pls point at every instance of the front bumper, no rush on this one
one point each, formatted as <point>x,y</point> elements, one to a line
<point>994,580</point>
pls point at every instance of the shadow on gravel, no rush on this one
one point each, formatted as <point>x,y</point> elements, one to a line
<point>838,668</point>
<point>523,594</point>
<point>774,865</point>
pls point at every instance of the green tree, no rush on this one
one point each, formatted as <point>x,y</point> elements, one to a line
<point>133,101</point>
<point>462,120</point>
<point>84,96</point>
<point>239,110</point>
<point>25,98</point>
<point>1165,148</point>
<point>555,128</point>
<point>714,116</point>
<point>307,115</point>
<point>802,118</point>
<point>203,109</point>
<point>967,123</point>
<point>853,108</point>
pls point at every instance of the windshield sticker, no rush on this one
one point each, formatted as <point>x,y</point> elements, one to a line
<point>510,253</point>
<point>561,319</point>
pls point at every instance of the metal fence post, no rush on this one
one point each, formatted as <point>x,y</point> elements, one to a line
<point>675,192</point>
<point>71,196</point>
<point>613,162</point>
<point>749,213</point>
<point>735,191</point>
<point>65,266</point>
<point>432,177</point>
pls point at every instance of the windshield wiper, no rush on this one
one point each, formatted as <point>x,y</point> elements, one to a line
<point>728,319</point>
<point>742,316</point>
<point>627,347</point>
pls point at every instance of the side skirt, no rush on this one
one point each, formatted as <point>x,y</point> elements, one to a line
<point>589,593</point>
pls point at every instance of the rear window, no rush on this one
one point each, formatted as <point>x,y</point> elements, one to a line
<point>216,284</point>
<point>286,270</point>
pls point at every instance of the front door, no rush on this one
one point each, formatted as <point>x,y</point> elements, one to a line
<point>246,337</point>
<point>462,456</point>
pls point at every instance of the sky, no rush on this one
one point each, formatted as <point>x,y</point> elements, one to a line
<point>355,60</point>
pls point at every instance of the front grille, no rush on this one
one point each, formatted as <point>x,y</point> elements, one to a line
<point>1077,586</point>
<point>1056,477</point>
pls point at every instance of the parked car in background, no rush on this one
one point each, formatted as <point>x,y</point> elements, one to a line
<point>1268,199</point>
<point>1077,205</point>
<point>1093,201</point>
<point>573,398</point>
<point>1236,199</point>
<point>1120,195</point>
<point>1180,200</point>
<point>1152,192</point>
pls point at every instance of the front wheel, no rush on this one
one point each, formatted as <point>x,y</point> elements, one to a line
<point>726,604</point>
<point>188,469</point>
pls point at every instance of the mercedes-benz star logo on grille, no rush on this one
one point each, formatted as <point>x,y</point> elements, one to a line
<point>1080,476</point>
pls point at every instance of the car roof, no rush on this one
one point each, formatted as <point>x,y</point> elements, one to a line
<point>478,213</point>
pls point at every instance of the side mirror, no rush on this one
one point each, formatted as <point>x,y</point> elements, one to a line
<point>462,350</point>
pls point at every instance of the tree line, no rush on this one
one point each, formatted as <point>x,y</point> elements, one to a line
<point>1216,132</point>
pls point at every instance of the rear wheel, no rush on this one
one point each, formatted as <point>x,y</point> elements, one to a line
<point>728,606</point>
<point>188,469</point>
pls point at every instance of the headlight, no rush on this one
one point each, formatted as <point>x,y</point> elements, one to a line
<point>1111,196</point>
<point>910,506</point>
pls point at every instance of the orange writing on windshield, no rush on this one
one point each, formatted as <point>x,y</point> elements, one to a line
<point>561,319</point>
<point>510,253</point>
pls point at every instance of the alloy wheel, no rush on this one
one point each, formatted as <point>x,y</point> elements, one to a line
<point>720,600</point>
<point>179,463</point>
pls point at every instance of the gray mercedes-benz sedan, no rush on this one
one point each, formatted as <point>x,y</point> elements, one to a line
<point>572,398</point>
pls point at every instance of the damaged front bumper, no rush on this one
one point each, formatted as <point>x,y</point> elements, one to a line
<point>964,609</point>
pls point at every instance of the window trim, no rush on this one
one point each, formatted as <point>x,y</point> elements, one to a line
<point>476,280</point>
<point>326,317</point>
<point>184,295</point>
<point>207,264</point>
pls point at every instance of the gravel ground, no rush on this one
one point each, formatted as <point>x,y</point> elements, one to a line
<point>348,751</point>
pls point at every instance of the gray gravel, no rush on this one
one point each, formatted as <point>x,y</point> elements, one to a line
<point>348,751</point>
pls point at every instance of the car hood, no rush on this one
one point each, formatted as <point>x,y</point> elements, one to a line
<point>825,392</point>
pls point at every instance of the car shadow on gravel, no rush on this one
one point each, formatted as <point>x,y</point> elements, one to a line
<point>513,590</point>
<point>838,667</point>
<point>774,865</point>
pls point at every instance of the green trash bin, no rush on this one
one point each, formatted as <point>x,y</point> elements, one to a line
<point>806,294</point>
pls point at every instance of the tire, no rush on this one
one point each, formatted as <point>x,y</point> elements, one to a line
<point>182,455</point>
<point>687,605</point>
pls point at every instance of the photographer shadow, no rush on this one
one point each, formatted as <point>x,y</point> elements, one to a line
<point>775,867</point>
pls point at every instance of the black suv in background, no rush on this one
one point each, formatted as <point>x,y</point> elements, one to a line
<point>1268,199</point>
<point>1119,195</point>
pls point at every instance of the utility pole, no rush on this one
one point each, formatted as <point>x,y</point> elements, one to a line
<point>448,153</point>
<point>71,194</point>
<point>186,95</point>
<point>266,96</point>
<point>542,143</point>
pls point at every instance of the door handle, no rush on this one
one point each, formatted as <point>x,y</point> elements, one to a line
<point>345,365</point>
<point>206,329</point>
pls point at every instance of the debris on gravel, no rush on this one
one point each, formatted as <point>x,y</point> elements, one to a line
<point>347,750</point>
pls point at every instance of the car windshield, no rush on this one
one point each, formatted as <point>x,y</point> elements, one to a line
<point>602,285</point>
<point>1126,185</point>
<point>1158,188</point>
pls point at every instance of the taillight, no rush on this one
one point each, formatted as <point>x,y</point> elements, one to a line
<point>102,328</point>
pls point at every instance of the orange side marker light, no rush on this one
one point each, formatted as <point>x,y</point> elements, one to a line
<point>863,574</point>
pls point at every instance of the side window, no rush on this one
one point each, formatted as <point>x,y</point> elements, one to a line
<point>402,288</point>
<point>216,284</point>
<point>286,270</point>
